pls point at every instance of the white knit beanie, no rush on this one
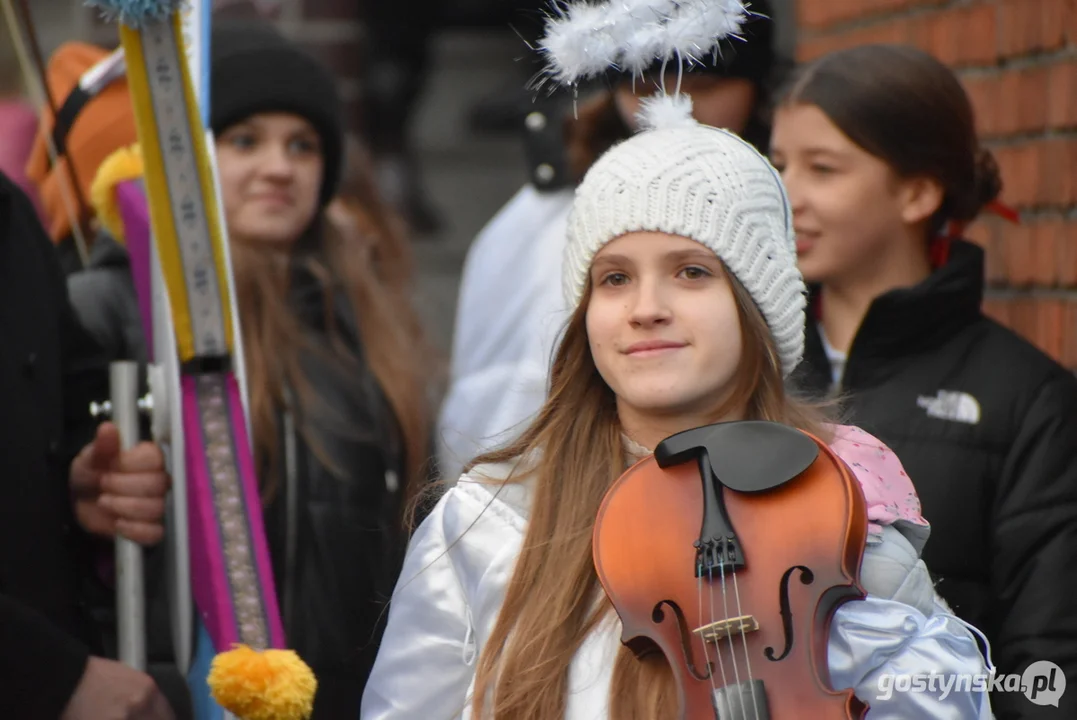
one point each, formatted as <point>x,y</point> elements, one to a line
<point>708,185</point>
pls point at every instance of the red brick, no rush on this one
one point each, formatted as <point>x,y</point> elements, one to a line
<point>891,32</point>
<point>1022,100</point>
<point>983,92</point>
<point>1053,18</point>
<point>921,31</point>
<point>890,6</point>
<point>1044,254</point>
<point>1066,255</point>
<point>1009,111</point>
<point>1049,330</point>
<point>1051,159</point>
<point>1069,19</point>
<point>995,258</point>
<point>984,232</point>
<point>1020,167</point>
<point>1041,174</point>
<point>942,41</point>
<point>1049,323</point>
<point>1008,32</point>
<point>1059,186</point>
<point>846,10</point>
<point>1021,27</point>
<point>1023,317</point>
<point>1018,253</point>
<point>1062,95</point>
<point>1032,99</point>
<point>1069,345</point>
<point>977,34</point>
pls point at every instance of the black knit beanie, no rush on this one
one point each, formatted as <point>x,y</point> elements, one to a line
<point>254,69</point>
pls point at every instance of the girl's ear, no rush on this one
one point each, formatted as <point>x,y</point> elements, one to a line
<point>920,198</point>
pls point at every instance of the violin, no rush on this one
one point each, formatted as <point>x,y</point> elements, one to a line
<point>728,551</point>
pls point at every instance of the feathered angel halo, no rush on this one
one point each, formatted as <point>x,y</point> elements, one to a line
<point>585,40</point>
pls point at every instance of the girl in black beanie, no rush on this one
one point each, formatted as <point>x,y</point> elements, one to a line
<point>332,353</point>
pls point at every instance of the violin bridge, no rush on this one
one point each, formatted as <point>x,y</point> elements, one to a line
<point>722,629</point>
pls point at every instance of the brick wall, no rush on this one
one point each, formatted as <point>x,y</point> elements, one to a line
<point>1018,62</point>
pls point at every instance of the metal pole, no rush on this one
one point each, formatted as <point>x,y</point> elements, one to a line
<point>130,584</point>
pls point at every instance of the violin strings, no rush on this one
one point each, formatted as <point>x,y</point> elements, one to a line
<point>706,650</point>
<point>744,640</point>
<point>733,651</point>
<point>717,645</point>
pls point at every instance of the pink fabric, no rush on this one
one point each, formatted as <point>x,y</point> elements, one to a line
<point>889,492</point>
<point>18,127</point>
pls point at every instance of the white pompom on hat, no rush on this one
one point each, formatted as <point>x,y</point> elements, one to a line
<point>707,185</point>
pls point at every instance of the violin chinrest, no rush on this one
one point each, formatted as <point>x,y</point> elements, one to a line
<point>745,456</point>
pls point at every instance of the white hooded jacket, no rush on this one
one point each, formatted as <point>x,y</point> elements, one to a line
<point>461,560</point>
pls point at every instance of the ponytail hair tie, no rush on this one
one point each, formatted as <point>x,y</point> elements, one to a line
<point>940,247</point>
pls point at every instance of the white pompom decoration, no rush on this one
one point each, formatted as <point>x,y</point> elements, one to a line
<point>661,111</point>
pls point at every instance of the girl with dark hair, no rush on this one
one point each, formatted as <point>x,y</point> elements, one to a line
<point>506,324</point>
<point>878,149</point>
<point>334,358</point>
<point>687,310</point>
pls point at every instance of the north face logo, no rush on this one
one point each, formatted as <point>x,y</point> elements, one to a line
<point>951,405</point>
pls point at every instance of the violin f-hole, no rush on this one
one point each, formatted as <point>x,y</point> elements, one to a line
<point>659,616</point>
<point>807,577</point>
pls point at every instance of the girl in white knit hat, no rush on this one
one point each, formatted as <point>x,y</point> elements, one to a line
<point>688,311</point>
<point>506,326</point>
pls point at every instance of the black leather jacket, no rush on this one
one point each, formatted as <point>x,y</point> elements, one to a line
<point>334,521</point>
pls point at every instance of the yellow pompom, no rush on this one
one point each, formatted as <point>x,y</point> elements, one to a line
<point>266,685</point>
<point>123,164</point>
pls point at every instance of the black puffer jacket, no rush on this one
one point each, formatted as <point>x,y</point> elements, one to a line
<point>986,426</point>
<point>335,535</point>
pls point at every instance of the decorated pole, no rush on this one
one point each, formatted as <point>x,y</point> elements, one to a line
<point>200,417</point>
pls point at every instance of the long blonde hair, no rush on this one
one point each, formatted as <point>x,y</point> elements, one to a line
<point>554,598</point>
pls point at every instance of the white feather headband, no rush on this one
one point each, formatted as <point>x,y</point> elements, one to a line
<point>585,40</point>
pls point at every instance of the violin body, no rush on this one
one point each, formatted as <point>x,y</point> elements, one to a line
<point>741,609</point>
